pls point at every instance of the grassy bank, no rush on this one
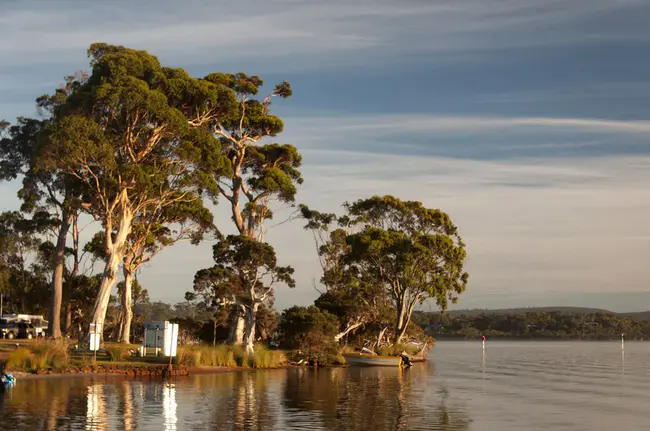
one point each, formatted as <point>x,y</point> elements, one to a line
<point>230,356</point>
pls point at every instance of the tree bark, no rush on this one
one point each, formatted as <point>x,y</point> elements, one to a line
<point>236,336</point>
<point>54,324</point>
<point>115,256</point>
<point>68,317</point>
<point>380,337</point>
<point>350,327</point>
<point>251,319</point>
<point>127,307</point>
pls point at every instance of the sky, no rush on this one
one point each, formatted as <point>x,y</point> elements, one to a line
<point>528,122</point>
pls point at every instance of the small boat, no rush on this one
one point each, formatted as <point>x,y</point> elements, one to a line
<point>369,360</point>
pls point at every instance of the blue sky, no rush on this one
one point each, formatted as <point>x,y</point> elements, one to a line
<point>527,121</point>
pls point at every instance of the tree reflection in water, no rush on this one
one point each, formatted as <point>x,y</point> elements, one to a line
<point>331,399</point>
<point>371,399</point>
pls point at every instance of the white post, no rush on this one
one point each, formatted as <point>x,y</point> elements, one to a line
<point>484,343</point>
<point>622,341</point>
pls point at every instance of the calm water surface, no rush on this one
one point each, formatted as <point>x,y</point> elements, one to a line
<point>514,386</point>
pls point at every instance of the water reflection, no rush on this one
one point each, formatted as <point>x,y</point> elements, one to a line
<point>331,399</point>
<point>370,399</point>
<point>169,406</point>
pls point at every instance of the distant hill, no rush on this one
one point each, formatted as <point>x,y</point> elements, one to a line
<point>581,310</point>
<point>643,315</point>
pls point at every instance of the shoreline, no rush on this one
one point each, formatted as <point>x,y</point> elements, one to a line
<point>136,372</point>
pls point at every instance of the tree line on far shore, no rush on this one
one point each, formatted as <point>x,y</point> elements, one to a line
<point>147,152</point>
<point>535,325</point>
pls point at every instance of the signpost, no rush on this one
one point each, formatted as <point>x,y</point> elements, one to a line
<point>95,337</point>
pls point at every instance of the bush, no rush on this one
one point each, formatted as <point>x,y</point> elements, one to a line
<point>40,355</point>
<point>229,356</point>
<point>397,349</point>
<point>118,352</point>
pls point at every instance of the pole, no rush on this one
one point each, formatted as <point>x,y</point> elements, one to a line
<point>2,297</point>
<point>622,341</point>
<point>484,343</point>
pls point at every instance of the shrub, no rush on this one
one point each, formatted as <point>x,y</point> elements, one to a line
<point>40,355</point>
<point>229,356</point>
<point>117,352</point>
<point>20,359</point>
<point>397,349</point>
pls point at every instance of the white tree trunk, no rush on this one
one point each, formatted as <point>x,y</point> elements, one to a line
<point>237,323</point>
<point>115,257</point>
<point>350,327</point>
<point>251,320</point>
<point>127,306</point>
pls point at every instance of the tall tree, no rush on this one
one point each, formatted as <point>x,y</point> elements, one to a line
<point>413,253</point>
<point>134,134</point>
<point>153,231</point>
<point>256,173</point>
<point>52,190</point>
<point>245,270</point>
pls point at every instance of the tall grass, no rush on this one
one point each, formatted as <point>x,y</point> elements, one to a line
<point>229,356</point>
<point>40,355</point>
<point>118,352</point>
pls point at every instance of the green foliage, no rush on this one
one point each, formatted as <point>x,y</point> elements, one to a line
<point>229,356</point>
<point>387,249</point>
<point>39,355</point>
<point>551,325</point>
<point>311,331</point>
<point>118,352</point>
<point>397,349</point>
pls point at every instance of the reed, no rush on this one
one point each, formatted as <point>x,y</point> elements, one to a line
<point>229,356</point>
<point>40,355</point>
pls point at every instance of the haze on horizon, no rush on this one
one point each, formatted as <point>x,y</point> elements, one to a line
<point>526,121</point>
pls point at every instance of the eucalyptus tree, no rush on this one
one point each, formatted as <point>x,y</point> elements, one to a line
<point>153,231</point>
<point>129,135</point>
<point>256,173</point>
<point>413,253</point>
<point>247,271</point>
<point>41,190</point>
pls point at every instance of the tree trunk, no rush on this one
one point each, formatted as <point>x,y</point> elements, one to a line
<point>381,337</point>
<point>54,324</point>
<point>249,335</point>
<point>68,317</point>
<point>214,332</point>
<point>117,332</point>
<point>400,327</point>
<point>350,327</point>
<point>236,336</point>
<point>127,307</point>
<point>114,258</point>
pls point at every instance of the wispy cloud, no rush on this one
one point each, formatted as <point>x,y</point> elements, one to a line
<point>38,30</point>
<point>422,123</point>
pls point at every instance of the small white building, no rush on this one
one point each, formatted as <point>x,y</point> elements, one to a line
<point>160,337</point>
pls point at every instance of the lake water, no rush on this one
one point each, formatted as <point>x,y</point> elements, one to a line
<point>513,386</point>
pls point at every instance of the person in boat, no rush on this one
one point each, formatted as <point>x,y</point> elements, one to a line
<point>405,360</point>
<point>6,380</point>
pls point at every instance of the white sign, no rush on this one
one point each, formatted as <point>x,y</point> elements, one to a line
<point>171,339</point>
<point>95,336</point>
<point>94,341</point>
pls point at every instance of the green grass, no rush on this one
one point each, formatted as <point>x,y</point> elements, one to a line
<point>229,356</point>
<point>39,355</point>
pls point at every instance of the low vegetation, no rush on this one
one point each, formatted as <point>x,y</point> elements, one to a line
<point>536,325</point>
<point>229,356</point>
<point>37,356</point>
